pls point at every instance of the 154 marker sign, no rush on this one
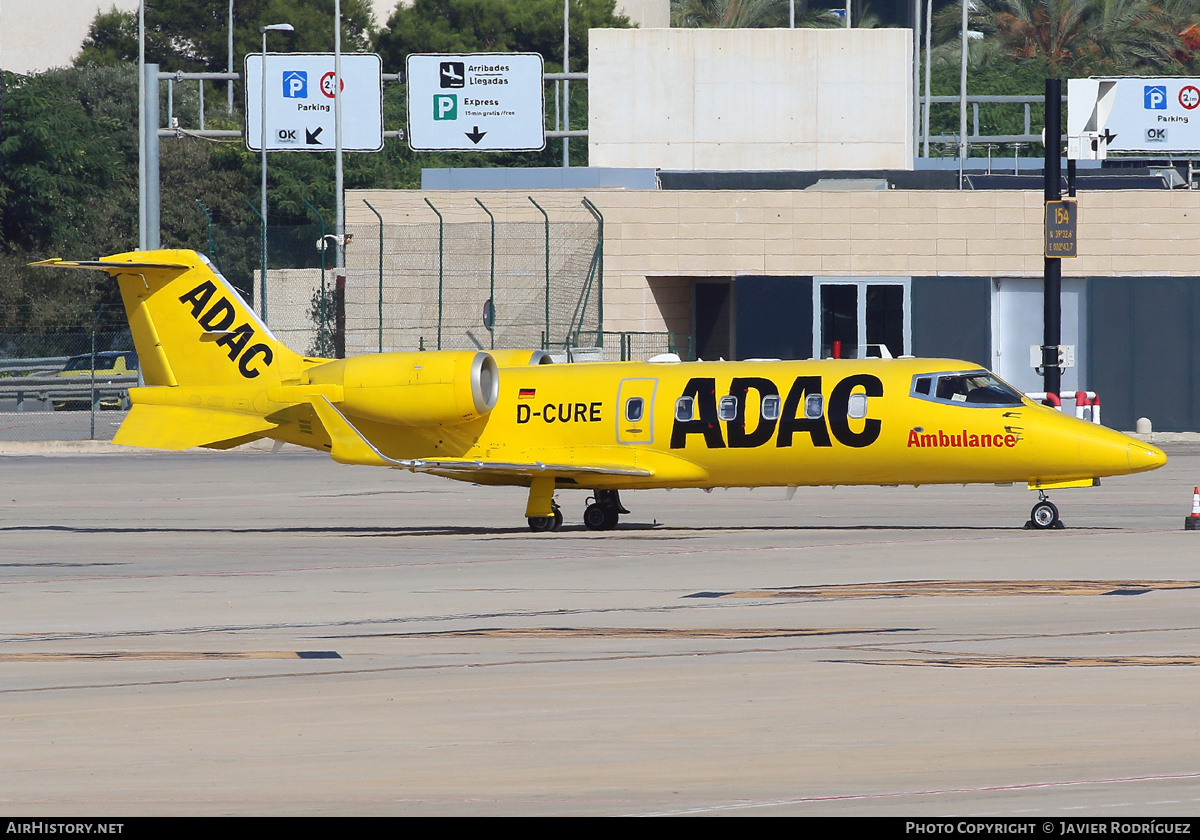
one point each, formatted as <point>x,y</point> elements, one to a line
<point>1061,218</point>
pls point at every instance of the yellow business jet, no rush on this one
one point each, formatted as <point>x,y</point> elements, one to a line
<point>216,377</point>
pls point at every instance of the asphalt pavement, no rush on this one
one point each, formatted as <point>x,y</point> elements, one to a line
<point>246,633</point>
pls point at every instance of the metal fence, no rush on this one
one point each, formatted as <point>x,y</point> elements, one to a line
<point>443,284</point>
<point>39,401</point>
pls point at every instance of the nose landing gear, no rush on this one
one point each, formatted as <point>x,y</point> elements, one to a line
<point>1044,515</point>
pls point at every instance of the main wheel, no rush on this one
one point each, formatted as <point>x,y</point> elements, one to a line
<point>595,518</point>
<point>541,524</point>
<point>1044,515</point>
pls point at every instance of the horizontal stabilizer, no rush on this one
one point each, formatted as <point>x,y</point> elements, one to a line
<point>107,265</point>
<point>181,427</point>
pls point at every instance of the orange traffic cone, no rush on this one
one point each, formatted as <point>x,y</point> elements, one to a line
<point>1192,523</point>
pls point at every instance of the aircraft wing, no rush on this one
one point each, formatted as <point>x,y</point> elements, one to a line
<point>351,447</point>
<point>461,465</point>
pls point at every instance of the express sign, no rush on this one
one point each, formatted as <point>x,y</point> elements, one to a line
<point>482,102</point>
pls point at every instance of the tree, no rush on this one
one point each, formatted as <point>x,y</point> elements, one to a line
<point>1073,37</point>
<point>744,14</point>
<point>494,26</point>
<point>192,35</point>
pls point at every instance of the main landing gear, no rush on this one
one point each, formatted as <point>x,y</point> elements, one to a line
<point>602,512</point>
<point>1044,515</point>
<point>540,524</point>
<point>543,514</point>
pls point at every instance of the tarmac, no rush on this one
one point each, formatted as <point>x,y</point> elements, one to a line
<point>254,634</point>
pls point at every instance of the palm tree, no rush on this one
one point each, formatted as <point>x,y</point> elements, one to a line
<point>742,14</point>
<point>1081,36</point>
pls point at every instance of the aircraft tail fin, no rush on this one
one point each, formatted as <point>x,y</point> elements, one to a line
<point>190,326</point>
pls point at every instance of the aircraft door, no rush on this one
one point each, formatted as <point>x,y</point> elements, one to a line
<point>635,410</point>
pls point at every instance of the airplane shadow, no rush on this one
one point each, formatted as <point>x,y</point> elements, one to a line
<point>661,531</point>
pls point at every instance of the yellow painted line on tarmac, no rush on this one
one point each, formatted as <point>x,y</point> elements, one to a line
<point>1039,661</point>
<point>960,588</point>
<point>137,655</point>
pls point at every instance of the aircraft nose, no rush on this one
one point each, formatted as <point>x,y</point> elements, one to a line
<point>1143,457</point>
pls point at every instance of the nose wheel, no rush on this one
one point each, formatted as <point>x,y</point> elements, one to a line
<point>1044,515</point>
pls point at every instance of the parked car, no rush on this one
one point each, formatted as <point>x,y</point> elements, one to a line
<point>109,363</point>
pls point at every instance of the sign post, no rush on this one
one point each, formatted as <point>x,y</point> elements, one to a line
<point>476,102</point>
<point>1052,283</point>
<point>1061,218</point>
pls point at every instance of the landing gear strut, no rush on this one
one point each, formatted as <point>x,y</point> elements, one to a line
<point>541,510</point>
<point>1044,515</point>
<point>540,524</point>
<point>603,511</point>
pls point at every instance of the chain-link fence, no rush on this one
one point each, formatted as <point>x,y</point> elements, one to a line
<point>68,384</point>
<point>444,284</point>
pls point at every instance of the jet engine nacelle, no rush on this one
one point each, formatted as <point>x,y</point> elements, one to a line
<point>414,389</point>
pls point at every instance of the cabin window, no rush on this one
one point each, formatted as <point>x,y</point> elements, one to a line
<point>856,406</point>
<point>727,409</point>
<point>814,406</point>
<point>685,409</point>
<point>922,386</point>
<point>634,406</point>
<point>770,407</point>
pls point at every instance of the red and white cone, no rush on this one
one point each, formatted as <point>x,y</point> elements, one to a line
<point>1192,523</point>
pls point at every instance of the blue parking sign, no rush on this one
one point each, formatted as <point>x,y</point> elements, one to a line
<point>295,84</point>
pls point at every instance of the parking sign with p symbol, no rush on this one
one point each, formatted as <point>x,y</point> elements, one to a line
<point>295,84</point>
<point>445,106</point>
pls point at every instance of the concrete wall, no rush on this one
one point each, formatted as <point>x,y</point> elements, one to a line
<point>646,14</point>
<point>750,98</point>
<point>654,241</point>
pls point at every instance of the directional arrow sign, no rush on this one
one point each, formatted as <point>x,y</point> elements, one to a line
<point>491,102</point>
<point>300,102</point>
<point>1159,115</point>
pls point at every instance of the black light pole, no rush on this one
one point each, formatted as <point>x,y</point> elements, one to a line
<point>1052,286</point>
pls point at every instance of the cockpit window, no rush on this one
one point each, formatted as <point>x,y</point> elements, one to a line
<point>976,387</point>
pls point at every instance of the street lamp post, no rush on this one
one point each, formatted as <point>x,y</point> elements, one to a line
<point>274,27</point>
<point>229,84</point>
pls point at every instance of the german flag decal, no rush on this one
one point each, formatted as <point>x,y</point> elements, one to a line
<point>526,393</point>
